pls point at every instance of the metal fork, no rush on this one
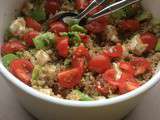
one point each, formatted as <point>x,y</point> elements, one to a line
<point>95,3</point>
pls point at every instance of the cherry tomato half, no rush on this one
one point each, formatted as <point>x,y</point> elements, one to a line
<point>51,6</point>
<point>149,39</point>
<point>69,78</point>
<point>58,27</point>
<point>141,65</point>
<point>85,38</point>
<point>81,4</point>
<point>22,69</point>
<point>115,52</point>
<point>127,67</point>
<point>98,25</point>
<point>31,23</point>
<point>128,86</point>
<point>63,46</point>
<point>12,46</point>
<point>78,63</point>
<point>81,51</point>
<point>29,36</point>
<point>99,63</point>
<point>129,25</point>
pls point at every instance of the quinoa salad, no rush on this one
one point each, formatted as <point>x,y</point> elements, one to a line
<point>108,57</point>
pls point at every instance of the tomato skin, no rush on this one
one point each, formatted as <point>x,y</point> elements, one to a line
<point>109,77</point>
<point>22,69</point>
<point>81,4</point>
<point>127,67</point>
<point>125,84</point>
<point>81,51</point>
<point>63,46</point>
<point>98,25</point>
<point>99,63</point>
<point>78,63</point>
<point>51,6</point>
<point>129,25</point>
<point>128,87</point>
<point>141,65</point>
<point>149,39</point>
<point>12,46</point>
<point>31,23</point>
<point>69,78</point>
<point>28,37</point>
<point>116,52</point>
<point>58,27</point>
<point>84,38</point>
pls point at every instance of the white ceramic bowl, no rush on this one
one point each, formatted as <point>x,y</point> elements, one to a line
<point>50,108</point>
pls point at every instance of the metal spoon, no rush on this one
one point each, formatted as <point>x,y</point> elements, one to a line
<point>82,19</point>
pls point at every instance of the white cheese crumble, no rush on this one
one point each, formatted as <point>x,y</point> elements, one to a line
<point>42,57</point>
<point>136,45</point>
<point>118,71</point>
<point>18,26</point>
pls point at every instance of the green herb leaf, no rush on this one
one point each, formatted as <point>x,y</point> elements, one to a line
<point>83,97</point>
<point>44,39</point>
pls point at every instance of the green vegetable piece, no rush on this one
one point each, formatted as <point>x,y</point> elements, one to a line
<point>83,97</point>
<point>7,59</point>
<point>64,34</point>
<point>43,40</point>
<point>158,46</point>
<point>145,15</point>
<point>38,14</point>
<point>78,28</point>
<point>36,72</point>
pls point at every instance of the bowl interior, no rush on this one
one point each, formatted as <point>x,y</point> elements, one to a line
<point>7,12</point>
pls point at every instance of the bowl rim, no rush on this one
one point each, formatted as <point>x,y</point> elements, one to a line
<point>55,100</point>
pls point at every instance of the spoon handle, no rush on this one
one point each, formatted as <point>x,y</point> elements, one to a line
<point>112,8</point>
<point>93,5</point>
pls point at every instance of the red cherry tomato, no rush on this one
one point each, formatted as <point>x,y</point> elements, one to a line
<point>125,84</point>
<point>69,78</point>
<point>149,39</point>
<point>128,86</point>
<point>81,51</point>
<point>98,25</point>
<point>130,25</point>
<point>81,4</point>
<point>109,77</point>
<point>63,47</point>
<point>31,23</point>
<point>22,69</point>
<point>84,38</point>
<point>29,36</point>
<point>127,67</point>
<point>52,6</point>
<point>141,65</point>
<point>115,52</point>
<point>58,27</point>
<point>99,63</point>
<point>12,46</point>
<point>78,63</point>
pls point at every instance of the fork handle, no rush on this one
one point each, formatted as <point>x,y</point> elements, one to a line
<point>93,5</point>
<point>112,8</point>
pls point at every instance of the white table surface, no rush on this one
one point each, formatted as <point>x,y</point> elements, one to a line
<point>148,109</point>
